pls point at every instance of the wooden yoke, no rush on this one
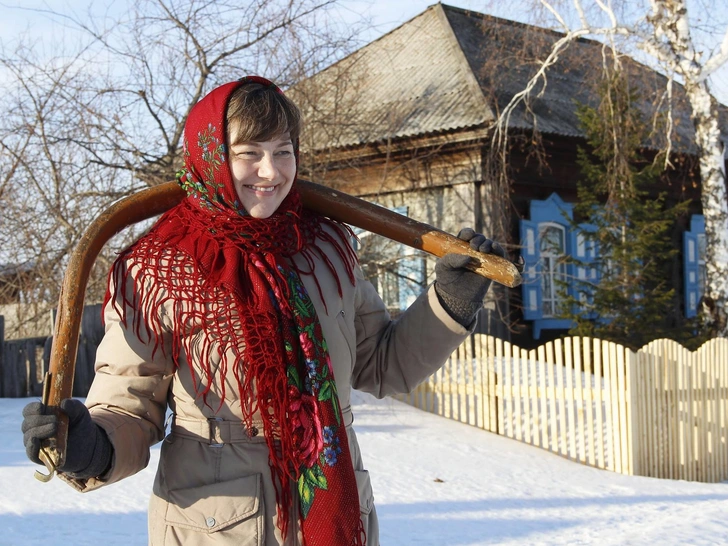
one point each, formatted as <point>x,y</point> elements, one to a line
<point>365,215</point>
<point>58,382</point>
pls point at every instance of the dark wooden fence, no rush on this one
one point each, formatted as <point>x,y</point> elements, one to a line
<point>25,361</point>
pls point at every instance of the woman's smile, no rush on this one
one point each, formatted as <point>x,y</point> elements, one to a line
<point>262,189</point>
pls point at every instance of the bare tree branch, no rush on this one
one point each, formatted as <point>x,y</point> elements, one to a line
<point>96,120</point>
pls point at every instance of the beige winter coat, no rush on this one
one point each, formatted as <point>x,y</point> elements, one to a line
<point>213,484</point>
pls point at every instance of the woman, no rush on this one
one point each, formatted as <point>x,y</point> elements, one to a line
<point>236,312</point>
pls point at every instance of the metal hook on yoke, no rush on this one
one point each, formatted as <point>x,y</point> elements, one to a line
<point>49,464</point>
<point>43,454</point>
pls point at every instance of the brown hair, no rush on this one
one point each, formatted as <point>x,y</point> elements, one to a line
<point>257,113</point>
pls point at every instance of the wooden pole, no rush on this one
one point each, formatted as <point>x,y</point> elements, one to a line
<point>58,382</point>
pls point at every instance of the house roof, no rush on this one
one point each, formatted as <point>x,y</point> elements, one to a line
<point>501,55</point>
<point>450,68</point>
<point>413,80</point>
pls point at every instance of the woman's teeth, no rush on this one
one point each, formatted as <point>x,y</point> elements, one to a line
<point>266,189</point>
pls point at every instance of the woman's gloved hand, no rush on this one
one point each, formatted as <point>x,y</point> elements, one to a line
<point>461,291</point>
<point>88,451</point>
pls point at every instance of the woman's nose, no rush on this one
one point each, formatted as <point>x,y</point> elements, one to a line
<point>267,168</point>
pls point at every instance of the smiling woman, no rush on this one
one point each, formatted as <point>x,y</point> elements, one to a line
<point>249,317</point>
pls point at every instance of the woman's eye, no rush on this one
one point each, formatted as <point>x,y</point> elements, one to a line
<point>285,153</point>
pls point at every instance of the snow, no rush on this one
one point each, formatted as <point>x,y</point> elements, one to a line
<point>436,482</point>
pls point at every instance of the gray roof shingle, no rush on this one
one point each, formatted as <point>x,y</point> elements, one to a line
<point>503,57</point>
<point>413,80</point>
<point>449,69</point>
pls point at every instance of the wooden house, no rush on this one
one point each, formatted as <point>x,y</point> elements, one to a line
<point>408,122</point>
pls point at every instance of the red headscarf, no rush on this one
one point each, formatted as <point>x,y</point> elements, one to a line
<point>231,273</point>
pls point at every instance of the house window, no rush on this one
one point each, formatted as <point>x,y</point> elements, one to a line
<point>547,237</point>
<point>694,265</point>
<point>552,238</point>
<point>397,271</point>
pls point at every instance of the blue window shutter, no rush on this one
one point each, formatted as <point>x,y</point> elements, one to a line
<point>693,264</point>
<point>531,287</point>
<point>690,273</point>
<point>585,251</point>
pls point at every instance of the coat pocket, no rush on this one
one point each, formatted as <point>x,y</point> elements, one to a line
<point>366,495</point>
<point>229,512</point>
<point>366,506</point>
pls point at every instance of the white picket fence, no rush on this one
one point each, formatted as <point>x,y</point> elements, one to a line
<point>661,411</point>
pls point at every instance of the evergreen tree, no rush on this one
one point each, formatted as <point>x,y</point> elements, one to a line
<point>625,294</point>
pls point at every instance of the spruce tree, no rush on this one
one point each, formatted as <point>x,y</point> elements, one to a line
<point>626,295</point>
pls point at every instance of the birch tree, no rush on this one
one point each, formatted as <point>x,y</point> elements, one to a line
<point>664,31</point>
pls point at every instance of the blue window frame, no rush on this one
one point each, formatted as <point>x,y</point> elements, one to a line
<point>547,236</point>
<point>544,236</point>
<point>548,230</point>
<point>531,287</point>
<point>694,271</point>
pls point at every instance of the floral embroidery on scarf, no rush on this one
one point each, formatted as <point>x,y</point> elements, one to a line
<point>332,445</point>
<point>318,446</point>
<point>205,188</point>
<point>213,155</point>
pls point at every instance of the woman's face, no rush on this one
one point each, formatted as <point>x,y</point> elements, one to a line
<point>263,173</point>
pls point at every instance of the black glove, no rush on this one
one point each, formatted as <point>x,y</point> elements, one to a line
<point>461,291</point>
<point>88,451</point>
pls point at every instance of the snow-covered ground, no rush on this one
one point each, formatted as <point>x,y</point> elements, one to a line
<point>436,483</point>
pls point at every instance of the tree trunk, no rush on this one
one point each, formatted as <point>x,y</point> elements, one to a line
<point>715,204</point>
